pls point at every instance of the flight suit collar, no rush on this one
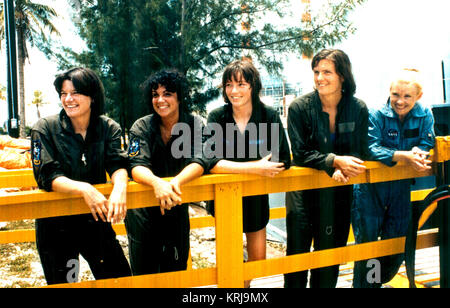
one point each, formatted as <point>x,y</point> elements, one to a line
<point>66,125</point>
<point>418,111</point>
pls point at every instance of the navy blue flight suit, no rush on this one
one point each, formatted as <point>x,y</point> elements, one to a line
<point>384,209</point>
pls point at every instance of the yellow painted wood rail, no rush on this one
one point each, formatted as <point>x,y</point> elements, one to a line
<point>227,191</point>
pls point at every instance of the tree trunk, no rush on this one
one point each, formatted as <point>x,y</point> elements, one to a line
<point>182,64</point>
<point>38,112</point>
<point>21,64</point>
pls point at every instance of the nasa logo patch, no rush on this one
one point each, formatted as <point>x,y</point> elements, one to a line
<point>392,133</point>
<point>36,152</point>
<point>134,148</point>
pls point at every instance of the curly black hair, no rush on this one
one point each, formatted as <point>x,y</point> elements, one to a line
<point>173,81</point>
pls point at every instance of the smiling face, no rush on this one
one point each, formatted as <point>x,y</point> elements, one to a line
<point>76,105</point>
<point>165,103</point>
<point>239,92</point>
<point>326,79</point>
<point>403,97</point>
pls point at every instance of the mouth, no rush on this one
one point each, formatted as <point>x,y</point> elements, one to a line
<point>71,106</point>
<point>235,97</point>
<point>162,107</point>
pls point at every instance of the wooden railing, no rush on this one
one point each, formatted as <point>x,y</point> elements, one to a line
<point>227,191</point>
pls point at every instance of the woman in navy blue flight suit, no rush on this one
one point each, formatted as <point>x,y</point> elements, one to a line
<point>252,122</point>
<point>159,236</point>
<point>72,151</point>
<point>402,130</point>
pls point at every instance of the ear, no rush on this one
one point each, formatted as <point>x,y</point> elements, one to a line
<point>419,96</point>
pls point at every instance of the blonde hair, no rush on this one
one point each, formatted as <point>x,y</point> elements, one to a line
<point>409,76</point>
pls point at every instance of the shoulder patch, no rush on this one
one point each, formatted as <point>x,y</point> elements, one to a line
<point>36,154</point>
<point>134,148</point>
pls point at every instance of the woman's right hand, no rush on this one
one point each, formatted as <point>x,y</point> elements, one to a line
<point>266,167</point>
<point>166,194</point>
<point>349,165</point>
<point>96,202</point>
<point>339,176</point>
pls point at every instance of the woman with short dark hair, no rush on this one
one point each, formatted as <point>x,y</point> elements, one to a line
<point>71,152</point>
<point>328,131</point>
<point>264,149</point>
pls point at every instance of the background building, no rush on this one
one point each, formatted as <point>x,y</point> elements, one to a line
<point>279,93</point>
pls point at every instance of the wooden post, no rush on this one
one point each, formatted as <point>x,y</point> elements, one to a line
<point>229,244</point>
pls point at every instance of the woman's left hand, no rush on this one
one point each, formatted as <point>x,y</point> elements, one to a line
<point>350,166</point>
<point>117,204</point>
<point>339,176</point>
<point>265,167</point>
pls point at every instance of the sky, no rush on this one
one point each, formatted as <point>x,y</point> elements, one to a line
<point>391,34</point>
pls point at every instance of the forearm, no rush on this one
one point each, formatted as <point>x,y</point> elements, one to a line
<point>401,156</point>
<point>189,173</point>
<point>120,178</point>
<point>63,184</point>
<point>227,166</point>
<point>144,175</point>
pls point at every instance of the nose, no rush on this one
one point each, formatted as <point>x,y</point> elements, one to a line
<point>319,76</point>
<point>400,101</point>
<point>234,88</point>
<point>68,97</point>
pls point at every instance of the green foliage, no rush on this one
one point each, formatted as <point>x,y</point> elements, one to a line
<point>128,40</point>
<point>34,26</point>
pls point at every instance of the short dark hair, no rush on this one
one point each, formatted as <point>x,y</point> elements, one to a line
<point>173,80</point>
<point>244,69</point>
<point>86,82</point>
<point>343,67</point>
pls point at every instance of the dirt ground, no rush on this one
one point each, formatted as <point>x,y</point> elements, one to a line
<point>20,266</point>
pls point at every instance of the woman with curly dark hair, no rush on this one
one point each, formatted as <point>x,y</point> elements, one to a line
<point>159,237</point>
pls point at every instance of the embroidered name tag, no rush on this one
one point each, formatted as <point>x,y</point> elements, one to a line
<point>411,133</point>
<point>347,127</point>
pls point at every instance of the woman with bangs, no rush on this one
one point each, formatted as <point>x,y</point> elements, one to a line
<point>264,153</point>
<point>72,151</point>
